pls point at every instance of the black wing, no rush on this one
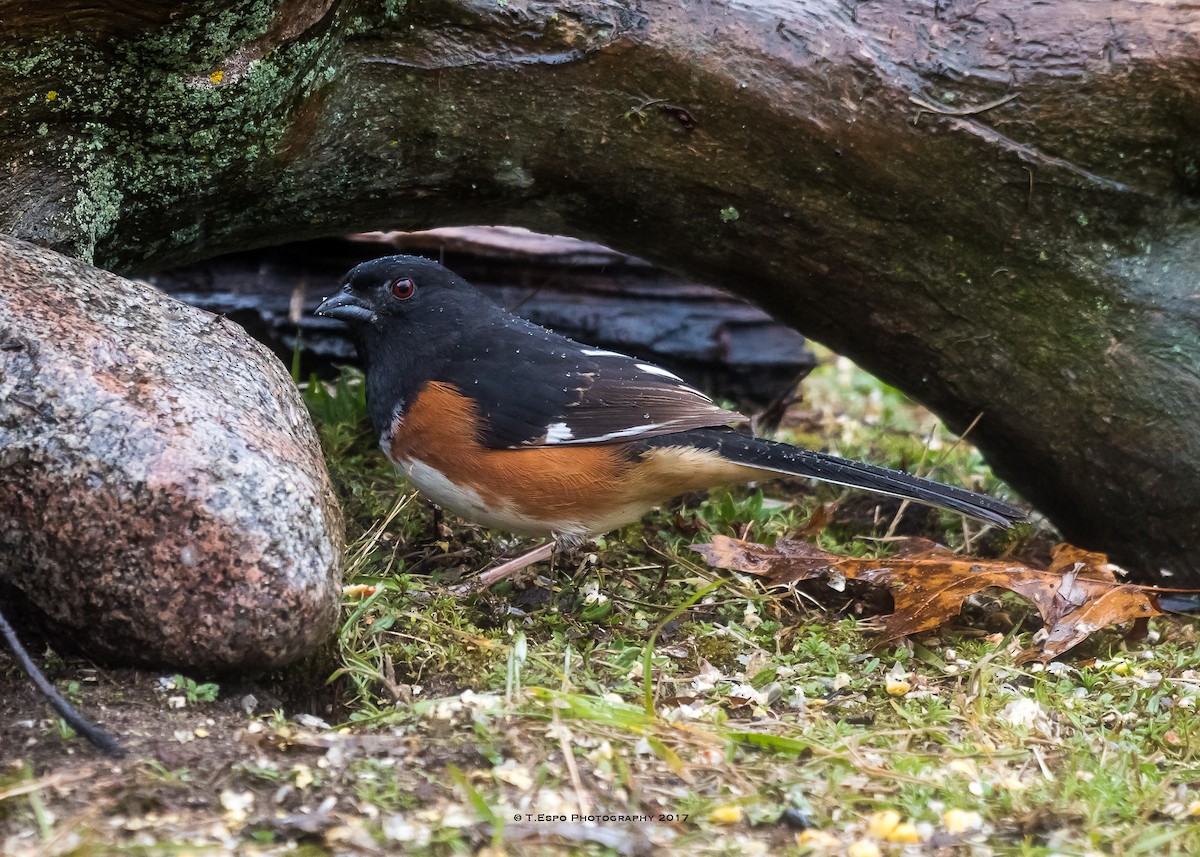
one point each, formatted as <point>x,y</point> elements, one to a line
<point>536,388</point>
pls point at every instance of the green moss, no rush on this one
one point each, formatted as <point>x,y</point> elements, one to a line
<point>720,651</point>
<point>97,202</point>
<point>181,107</point>
<point>186,235</point>
<point>202,39</point>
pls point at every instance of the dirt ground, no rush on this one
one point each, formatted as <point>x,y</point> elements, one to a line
<point>234,776</point>
<point>225,774</point>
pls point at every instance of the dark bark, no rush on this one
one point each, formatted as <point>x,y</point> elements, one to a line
<point>576,288</point>
<point>989,205</point>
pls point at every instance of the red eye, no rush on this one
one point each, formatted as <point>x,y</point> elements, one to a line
<point>403,288</point>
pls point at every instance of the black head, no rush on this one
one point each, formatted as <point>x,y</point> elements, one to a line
<point>397,291</point>
<point>407,316</point>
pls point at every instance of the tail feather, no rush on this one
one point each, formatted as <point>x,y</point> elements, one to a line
<point>783,458</point>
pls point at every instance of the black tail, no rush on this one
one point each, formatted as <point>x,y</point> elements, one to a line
<point>795,461</point>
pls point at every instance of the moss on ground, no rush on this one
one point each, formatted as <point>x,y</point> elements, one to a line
<point>695,711</point>
<point>763,710</point>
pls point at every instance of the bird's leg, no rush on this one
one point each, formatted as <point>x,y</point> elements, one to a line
<point>493,576</point>
<point>508,569</point>
<point>437,520</point>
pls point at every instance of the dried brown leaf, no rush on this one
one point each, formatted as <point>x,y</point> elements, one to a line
<point>1077,595</point>
<point>817,521</point>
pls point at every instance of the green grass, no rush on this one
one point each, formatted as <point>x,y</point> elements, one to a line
<point>635,681</point>
<point>644,682</point>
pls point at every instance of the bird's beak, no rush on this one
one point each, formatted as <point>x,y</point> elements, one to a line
<point>347,306</point>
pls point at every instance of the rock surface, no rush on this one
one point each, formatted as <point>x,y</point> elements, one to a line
<point>163,498</point>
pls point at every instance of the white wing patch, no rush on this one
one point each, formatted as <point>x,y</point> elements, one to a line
<point>632,431</point>
<point>651,369</point>
<point>558,433</point>
<point>611,398</point>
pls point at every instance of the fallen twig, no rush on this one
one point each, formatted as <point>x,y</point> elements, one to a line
<point>98,738</point>
<point>961,111</point>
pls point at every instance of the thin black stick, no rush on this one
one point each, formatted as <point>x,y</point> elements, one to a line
<point>99,739</point>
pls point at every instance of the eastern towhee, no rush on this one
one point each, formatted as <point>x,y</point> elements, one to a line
<point>515,427</point>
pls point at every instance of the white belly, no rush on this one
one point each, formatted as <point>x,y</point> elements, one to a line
<point>467,503</point>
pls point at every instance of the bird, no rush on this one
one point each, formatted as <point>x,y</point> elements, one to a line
<point>512,426</point>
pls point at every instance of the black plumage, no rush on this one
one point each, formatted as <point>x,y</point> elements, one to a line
<point>420,327</point>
